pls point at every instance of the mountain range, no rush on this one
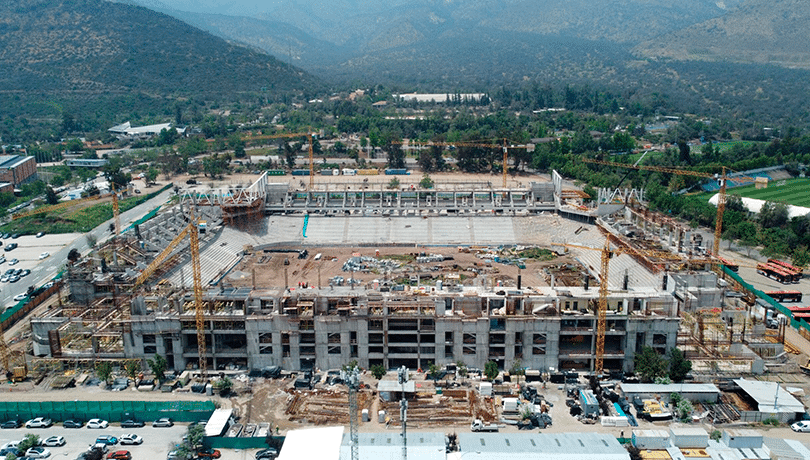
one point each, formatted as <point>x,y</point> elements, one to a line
<point>94,46</point>
<point>337,38</point>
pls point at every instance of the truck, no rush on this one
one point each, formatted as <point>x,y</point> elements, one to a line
<point>478,425</point>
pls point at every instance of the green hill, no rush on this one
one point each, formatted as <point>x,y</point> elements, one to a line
<point>92,47</point>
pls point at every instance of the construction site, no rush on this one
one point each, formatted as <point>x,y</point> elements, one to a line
<point>236,281</point>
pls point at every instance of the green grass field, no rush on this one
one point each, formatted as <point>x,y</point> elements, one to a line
<point>794,191</point>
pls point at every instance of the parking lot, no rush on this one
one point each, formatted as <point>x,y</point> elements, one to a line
<point>157,442</point>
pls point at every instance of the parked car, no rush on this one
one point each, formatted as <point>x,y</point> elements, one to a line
<point>208,453</point>
<point>38,452</point>
<point>54,441</point>
<point>266,454</point>
<point>9,450</point>
<point>40,234</point>
<point>44,255</point>
<point>105,439</point>
<point>131,423</point>
<point>73,424</point>
<point>39,422</point>
<point>15,236</point>
<point>120,455</point>
<point>25,272</point>
<point>10,247</point>
<point>163,422</point>
<point>11,424</point>
<point>97,423</point>
<point>802,426</point>
<point>19,297</point>
<point>13,262</point>
<point>131,439</point>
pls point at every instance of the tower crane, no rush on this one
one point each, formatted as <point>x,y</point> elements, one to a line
<point>607,254</point>
<point>191,231</point>
<point>308,135</point>
<point>721,197</point>
<point>505,147</point>
<point>116,212</point>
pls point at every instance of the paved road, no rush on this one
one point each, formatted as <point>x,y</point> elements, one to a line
<point>59,245</point>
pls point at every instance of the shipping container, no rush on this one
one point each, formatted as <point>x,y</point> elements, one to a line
<point>276,172</point>
<point>694,438</point>
<point>396,172</point>
<point>368,172</point>
<point>650,439</point>
<point>300,172</point>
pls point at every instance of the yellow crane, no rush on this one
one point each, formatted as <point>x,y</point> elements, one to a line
<point>505,147</point>
<point>721,197</point>
<point>53,207</point>
<point>607,254</point>
<point>308,135</point>
<point>115,209</point>
<point>193,233</point>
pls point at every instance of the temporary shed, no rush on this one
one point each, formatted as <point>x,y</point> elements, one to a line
<point>391,390</point>
<point>538,446</point>
<point>219,422</point>
<point>702,392</point>
<point>650,439</point>
<point>320,443</point>
<point>739,438</point>
<point>772,401</point>
<point>689,437</point>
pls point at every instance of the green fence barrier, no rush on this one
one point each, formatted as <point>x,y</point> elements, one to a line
<point>798,324</point>
<point>113,411</point>
<point>218,442</point>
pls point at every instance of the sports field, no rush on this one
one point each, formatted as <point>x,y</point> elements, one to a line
<point>794,191</point>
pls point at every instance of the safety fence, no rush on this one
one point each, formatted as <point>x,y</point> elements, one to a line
<point>800,324</point>
<point>255,442</point>
<point>113,411</point>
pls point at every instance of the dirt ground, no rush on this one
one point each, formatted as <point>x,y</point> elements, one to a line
<point>268,268</point>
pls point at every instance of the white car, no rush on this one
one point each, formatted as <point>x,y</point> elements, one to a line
<point>39,422</point>
<point>44,255</point>
<point>130,439</point>
<point>97,423</point>
<point>54,441</point>
<point>19,297</point>
<point>801,426</point>
<point>37,452</point>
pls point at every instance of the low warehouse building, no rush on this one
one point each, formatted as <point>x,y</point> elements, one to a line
<point>532,446</point>
<point>701,392</point>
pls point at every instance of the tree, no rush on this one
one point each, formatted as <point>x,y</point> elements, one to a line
<point>491,370</point>
<point>396,157</point>
<point>393,184</point>
<point>151,175</point>
<point>433,371</point>
<point>773,215</point>
<point>633,451</point>
<point>679,366</point>
<point>461,368</point>
<point>29,441</point>
<point>801,257</point>
<point>195,435</point>
<point>650,365</point>
<point>224,385</point>
<point>167,136</point>
<point>74,255</point>
<point>104,371</point>
<point>132,368</point>
<point>238,145</point>
<point>158,366</point>
<point>517,368</point>
<point>426,182</point>
<point>50,196</point>
<point>378,371</point>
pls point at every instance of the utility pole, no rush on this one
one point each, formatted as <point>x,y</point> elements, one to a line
<point>402,377</point>
<point>352,379</point>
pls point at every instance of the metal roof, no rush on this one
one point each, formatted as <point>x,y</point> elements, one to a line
<point>769,397</point>
<point>394,386</point>
<point>541,446</point>
<point>10,161</point>
<point>318,443</point>
<point>669,388</point>
<point>384,446</point>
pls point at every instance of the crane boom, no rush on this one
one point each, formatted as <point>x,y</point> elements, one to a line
<point>721,196</point>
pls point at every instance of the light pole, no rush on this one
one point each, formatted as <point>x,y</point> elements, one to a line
<point>402,377</point>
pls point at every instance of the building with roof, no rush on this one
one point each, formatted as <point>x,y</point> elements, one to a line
<point>17,169</point>
<point>771,401</point>
<point>539,446</point>
<point>703,392</point>
<point>86,162</point>
<point>320,443</point>
<point>127,131</point>
<point>388,446</point>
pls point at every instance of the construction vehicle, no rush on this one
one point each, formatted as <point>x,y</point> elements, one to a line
<point>478,425</point>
